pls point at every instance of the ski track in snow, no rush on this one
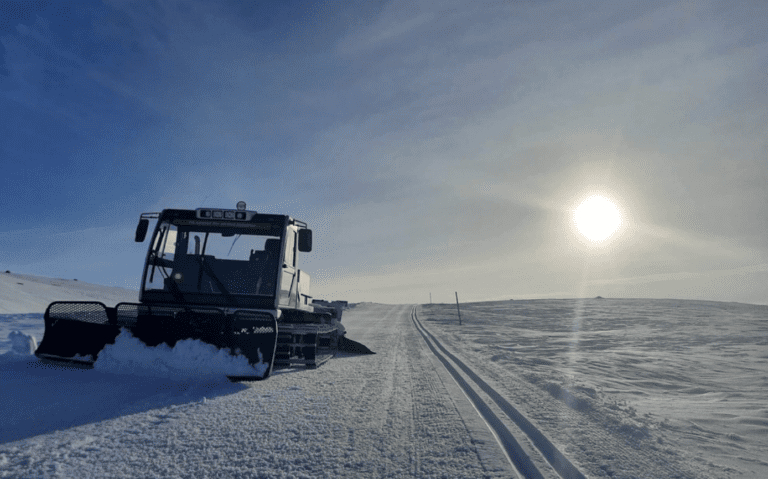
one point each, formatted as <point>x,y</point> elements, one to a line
<point>529,463</point>
<point>623,388</point>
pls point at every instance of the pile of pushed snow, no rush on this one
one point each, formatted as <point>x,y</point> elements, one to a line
<point>22,344</point>
<point>188,359</point>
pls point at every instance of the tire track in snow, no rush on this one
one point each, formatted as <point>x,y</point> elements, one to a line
<point>511,446</point>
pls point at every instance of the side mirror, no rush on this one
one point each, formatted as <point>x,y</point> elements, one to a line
<point>305,240</point>
<point>141,230</point>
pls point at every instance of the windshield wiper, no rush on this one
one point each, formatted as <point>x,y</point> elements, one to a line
<point>216,280</point>
<point>233,244</point>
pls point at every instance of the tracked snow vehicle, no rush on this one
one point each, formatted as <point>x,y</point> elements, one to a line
<point>226,277</point>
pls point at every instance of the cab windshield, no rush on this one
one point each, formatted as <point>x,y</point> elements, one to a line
<point>189,258</point>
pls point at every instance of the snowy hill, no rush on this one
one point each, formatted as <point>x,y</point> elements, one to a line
<point>23,293</point>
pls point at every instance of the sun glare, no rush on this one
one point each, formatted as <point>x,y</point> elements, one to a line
<point>597,218</point>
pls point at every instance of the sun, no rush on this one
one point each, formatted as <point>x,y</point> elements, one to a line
<point>597,218</point>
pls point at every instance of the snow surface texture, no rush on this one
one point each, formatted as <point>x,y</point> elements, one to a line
<point>383,415</point>
<point>23,293</point>
<point>624,388</point>
<point>628,387</point>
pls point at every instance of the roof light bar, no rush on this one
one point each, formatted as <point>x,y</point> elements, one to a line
<point>216,214</point>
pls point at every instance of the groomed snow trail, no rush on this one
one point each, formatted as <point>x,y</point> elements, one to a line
<point>393,414</point>
<point>602,438</point>
<point>497,413</point>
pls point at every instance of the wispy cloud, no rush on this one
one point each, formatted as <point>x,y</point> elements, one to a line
<point>415,137</point>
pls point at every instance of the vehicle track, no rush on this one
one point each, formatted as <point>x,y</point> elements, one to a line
<point>473,386</point>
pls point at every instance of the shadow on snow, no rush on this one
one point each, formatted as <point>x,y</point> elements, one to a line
<point>38,398</point>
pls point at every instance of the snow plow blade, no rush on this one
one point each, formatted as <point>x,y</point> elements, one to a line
<point>75,332</point>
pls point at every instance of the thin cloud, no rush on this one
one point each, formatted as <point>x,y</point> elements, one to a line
<point>417,137</point>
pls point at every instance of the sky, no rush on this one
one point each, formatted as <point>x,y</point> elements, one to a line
<point>433,147</point>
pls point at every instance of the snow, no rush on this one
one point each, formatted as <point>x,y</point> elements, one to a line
<point>23,344</point>
<point>24,293</point>
<point>187,359</point>
<point>623,388</point>
<point>685,379</point>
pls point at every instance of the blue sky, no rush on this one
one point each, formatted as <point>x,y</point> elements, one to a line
<point>432,146</point>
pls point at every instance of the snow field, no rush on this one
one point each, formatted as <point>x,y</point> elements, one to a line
<point>623,388</point>
<point>621,385</point>
<point>385,415</point>
<point>25,293</point>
